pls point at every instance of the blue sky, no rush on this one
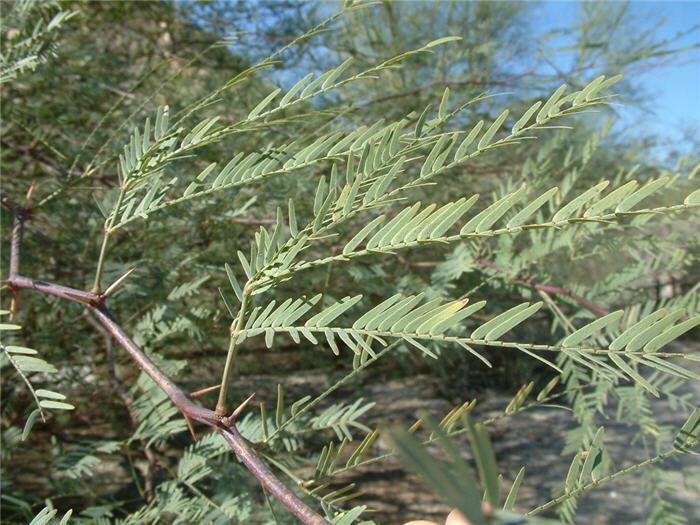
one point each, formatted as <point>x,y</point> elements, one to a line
<point>672,101</point>
<point>674,89</point>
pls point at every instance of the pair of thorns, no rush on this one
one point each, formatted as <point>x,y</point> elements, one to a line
<point>227,421</point>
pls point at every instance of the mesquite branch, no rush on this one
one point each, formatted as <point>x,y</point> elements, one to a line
<point>226,426</point>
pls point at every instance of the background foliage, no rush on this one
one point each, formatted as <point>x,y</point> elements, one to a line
<point>99,94</point>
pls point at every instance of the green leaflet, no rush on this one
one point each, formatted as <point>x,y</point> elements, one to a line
<point>672,333</point>
<point>379,186</point>
<point>592,458</point>
<point>321,215</point>
<point>693,198</point>
<point>687,436</point>
<point>631,372</point>
<point>408,232</point>
<point>625,337</point>
<point>591,328</point>
<point>390,228</point>
<point>520,124</point>
<point>543,114</point>
<point>227,304</point>
<point>513,493</point>
<point>442,40</point>
<point>56,405</point>
<point>442,110</point>
<point>419,346</point>
<point>397,311</point>
<point>376,311</point>
<point>601,86</point>
<point>486,218</point>
<point>449,322</point>
<point>485,461</point>
<point>582,96</point>
<point>320,194</point>
<point>293,91</point>
<point>642,193</point>
<point>511,322</point>
<point>666,366</point>
<point>442,157</point>
<point>519,398</point>
<point>360,236</point>
<point>430,159</point>
<point>402,324</point>
<point>263,104</point>
<point>613,198</point>
<point>548,388</point>
<point>490,325</point>
<point>572,475</point>
<point>499,209</point>
<point>646,335</point>
<point>223,176</point>
<point>332,312</point>
<point>421,121</point>
<point>293,229</point>
<point>493,129</point>
<point>309,89</point>
<point>440,315</point>
<point>531,208</point>
<point>566,212</point>
<point>366,135</point>
<point>447,220</point>
<point>432,224</point>
<point>468,140</point>
<point>333,74</point>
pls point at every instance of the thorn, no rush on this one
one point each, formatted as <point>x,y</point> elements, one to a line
<point>238,410</point>
<point>189,425</point>
<point>203,391</point>
<point>116,284</point>
<point>80,299</point>
<point>28,197</point>
<point>13,304</point>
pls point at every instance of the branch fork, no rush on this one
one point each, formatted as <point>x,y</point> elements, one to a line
<point>95,301</point>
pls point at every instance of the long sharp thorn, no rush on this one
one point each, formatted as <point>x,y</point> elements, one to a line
<point>13,305</point>
<point>239,409</point>
<point>28,197</point>
<point>189,425</point>
<point>116,284</point>
<point>203,391</point>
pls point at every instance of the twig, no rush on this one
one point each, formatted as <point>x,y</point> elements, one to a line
<point>544,287</point>
<point>520,278</point>
<point>440,83</point>
<point>253,222</point>
<point>238,444</point>
<point>41,158</point>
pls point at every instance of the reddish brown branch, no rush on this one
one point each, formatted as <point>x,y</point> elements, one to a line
<point>545,288</point>
<point>523,279</point>
<point>228,430</point>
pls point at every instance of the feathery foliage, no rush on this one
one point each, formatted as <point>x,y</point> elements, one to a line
<point>279,217</point>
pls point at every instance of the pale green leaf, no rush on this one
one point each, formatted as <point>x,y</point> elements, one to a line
<point>592,328</point>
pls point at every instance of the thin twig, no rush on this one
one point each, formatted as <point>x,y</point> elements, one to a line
<point>182,400</point>
<point>40,157</point>
<point>544,287</point>
<point>520,278</point>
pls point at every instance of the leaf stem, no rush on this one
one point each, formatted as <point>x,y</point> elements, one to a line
<point>108,231</point>
<point>229,367</point>
<point>601,481</point>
